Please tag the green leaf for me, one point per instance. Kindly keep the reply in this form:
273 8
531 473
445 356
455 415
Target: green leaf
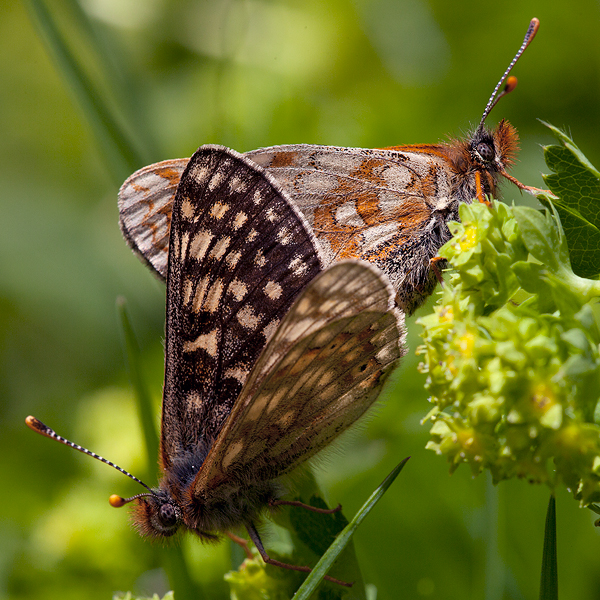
576 182
542 237
312 533
322 567
549 580
546 241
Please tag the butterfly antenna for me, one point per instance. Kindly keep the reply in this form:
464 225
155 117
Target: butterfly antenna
511 82
114 500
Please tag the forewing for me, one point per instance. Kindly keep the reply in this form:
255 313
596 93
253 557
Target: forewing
240 254
145 206
355 199
323 368
358 201
386 206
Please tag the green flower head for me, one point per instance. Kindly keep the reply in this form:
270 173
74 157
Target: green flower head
511 354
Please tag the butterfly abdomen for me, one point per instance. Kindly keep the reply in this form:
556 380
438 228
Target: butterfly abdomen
228 506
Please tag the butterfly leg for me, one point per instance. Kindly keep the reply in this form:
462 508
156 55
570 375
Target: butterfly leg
276 563
323 511
241 542
479 187
526 188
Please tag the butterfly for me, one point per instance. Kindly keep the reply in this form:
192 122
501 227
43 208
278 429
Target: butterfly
386 206
268 356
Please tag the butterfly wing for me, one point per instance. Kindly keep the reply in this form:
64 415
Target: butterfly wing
239 255
145 207
386 206
322 369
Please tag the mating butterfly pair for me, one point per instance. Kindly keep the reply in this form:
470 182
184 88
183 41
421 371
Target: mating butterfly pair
274 347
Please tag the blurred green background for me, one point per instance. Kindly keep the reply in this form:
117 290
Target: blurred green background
247 74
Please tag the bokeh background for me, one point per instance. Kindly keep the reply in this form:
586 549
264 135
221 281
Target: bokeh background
245 74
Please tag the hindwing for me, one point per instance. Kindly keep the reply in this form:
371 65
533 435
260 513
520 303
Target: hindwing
322 369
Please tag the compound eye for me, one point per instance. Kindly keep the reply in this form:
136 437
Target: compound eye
485 151
168 515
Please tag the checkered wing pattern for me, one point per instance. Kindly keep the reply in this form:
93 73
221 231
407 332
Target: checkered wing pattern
239 255
386 206
323 368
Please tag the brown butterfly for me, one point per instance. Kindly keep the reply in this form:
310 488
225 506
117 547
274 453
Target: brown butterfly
389 207
238 413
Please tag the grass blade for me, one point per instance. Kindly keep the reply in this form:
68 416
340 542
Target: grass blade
316 575
117 147
144 401
549 582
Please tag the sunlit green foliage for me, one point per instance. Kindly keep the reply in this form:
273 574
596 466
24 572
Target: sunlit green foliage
248 74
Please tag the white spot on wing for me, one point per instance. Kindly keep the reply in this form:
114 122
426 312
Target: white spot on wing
216 180
270 329
232 451
185 238
258 196
257 407
233 258
298 267
273 290
259 259
188 288
239 372
187 209
238 288
194 399
219 209
239 219
200 244
199 173
220 248
346 214
176 249
206 341
213 296
237 184
317 182
248 318
379 234
201 288
284 236
397 176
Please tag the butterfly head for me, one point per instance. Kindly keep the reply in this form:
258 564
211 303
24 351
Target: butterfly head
494 150
156 515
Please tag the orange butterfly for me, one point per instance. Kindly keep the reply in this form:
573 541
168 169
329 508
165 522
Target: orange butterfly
387 206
